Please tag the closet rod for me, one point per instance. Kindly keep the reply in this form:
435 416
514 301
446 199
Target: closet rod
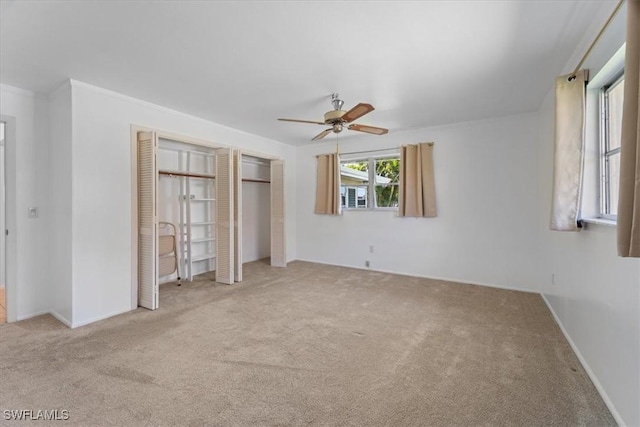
206 176
187 174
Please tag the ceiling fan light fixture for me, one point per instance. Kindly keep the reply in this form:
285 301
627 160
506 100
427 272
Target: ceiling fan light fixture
338 118
334 116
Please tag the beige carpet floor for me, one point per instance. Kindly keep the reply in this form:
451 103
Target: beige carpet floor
310 344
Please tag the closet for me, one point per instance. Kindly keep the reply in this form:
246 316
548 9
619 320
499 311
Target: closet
256 231
226 207
186 199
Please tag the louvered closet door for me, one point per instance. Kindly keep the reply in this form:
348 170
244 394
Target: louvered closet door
237 213
147 221
278 238
224 217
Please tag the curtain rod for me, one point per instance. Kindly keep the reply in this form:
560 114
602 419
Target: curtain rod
370 151
595 41
374 151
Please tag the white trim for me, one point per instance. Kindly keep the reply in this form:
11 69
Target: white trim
61 318
11 218
613 68
17 90
585 365
134 216
98 318
445 279
168 135
32 315
600 221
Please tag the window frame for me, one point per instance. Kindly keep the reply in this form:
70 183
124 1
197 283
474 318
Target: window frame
372 200
605 153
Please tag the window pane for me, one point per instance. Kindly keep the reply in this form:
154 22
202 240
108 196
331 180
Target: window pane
613 178
353 197
387 196
615 96
354 172
362 196
387 171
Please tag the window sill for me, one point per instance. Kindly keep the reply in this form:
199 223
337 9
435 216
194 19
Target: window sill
600 221
369 210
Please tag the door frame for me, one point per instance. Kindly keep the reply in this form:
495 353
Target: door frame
11 262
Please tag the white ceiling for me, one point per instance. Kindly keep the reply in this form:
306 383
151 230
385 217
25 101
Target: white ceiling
244 64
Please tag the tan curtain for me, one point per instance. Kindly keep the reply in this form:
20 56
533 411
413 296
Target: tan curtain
328 185
417 184
629 200
569 151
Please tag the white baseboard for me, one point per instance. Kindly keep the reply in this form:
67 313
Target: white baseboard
69 323
61 318
585 365
98 318
446 279
30 315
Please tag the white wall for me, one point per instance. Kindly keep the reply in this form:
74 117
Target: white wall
61 214
256 213
2 213
102 190
256 224
595 295
27 292
486 191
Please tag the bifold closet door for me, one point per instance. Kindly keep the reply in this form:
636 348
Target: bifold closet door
147 221
237 214
224 217
278 238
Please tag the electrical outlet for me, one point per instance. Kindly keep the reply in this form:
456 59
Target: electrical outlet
33 212
367 264
371 249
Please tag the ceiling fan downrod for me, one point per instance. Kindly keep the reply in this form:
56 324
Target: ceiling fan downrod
336 102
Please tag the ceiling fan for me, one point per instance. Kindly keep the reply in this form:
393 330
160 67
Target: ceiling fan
338 118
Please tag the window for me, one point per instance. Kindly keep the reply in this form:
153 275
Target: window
370 183
611 130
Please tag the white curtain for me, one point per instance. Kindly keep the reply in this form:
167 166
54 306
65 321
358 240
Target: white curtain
328 185
569 151
629 201
417 194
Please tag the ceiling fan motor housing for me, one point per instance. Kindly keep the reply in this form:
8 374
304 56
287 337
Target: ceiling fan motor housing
334 116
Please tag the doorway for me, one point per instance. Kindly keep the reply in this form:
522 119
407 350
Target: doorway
3 227
8 240
222 209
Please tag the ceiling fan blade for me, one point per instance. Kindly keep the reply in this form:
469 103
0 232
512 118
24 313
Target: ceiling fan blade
302 121
368 129
322 134
357 112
